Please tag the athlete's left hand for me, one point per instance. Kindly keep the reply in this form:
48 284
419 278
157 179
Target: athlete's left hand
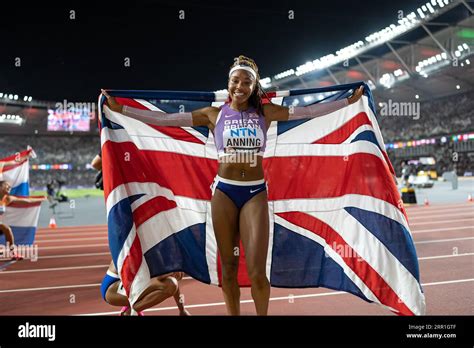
356 95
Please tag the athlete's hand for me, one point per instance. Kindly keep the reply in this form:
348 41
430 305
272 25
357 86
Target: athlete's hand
178 275
32 153
112 103
356 95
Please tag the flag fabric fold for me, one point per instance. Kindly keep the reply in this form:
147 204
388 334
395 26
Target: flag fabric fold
17 175
22 218
336 217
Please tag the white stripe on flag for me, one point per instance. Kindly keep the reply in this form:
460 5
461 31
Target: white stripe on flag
211 247
376 254
16 176
331 253
166 223
22 217
156 142
350 200
148 105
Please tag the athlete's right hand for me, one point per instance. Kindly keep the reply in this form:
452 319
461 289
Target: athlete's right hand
112 103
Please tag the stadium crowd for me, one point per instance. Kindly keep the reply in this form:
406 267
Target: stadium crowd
78 151
441 116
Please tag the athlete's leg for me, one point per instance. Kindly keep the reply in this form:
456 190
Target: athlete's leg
225 222
7 231
157 292
114 298
254 232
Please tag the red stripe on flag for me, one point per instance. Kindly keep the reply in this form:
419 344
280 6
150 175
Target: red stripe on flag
361 268
188 176
131 264
131 102
23 205
390 166
151 208
15 156
342 133
177 133
7 168
330 176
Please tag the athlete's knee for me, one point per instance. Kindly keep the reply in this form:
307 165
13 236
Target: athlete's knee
229 270
166 286
171 286
258 278
111 297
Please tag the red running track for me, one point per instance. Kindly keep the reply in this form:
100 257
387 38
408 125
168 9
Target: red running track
65 279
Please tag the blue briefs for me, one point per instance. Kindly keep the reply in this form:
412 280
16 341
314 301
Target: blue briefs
240 192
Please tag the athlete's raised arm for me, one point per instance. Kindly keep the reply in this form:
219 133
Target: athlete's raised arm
201 117
282 113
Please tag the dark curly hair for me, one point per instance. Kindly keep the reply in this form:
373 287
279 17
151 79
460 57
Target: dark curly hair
258 93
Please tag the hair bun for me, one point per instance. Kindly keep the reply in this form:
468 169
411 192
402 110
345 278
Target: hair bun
241 59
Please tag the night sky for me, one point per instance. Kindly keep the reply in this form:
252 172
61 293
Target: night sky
63 58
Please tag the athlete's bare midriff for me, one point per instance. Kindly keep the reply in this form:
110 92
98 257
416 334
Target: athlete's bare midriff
242 171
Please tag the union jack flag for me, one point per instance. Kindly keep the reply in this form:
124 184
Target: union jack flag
22 218
336 217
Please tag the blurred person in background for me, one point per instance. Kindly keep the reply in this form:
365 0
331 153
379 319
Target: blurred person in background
5 200
97 164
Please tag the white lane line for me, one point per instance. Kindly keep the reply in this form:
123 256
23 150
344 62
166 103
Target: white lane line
71 228
440 212
70 234
67 255
441 222
442 206
443 240
444 256
51 288
54 269
71 240
449 282
71 255
441 216
72 246
73 235
283 298
442 229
